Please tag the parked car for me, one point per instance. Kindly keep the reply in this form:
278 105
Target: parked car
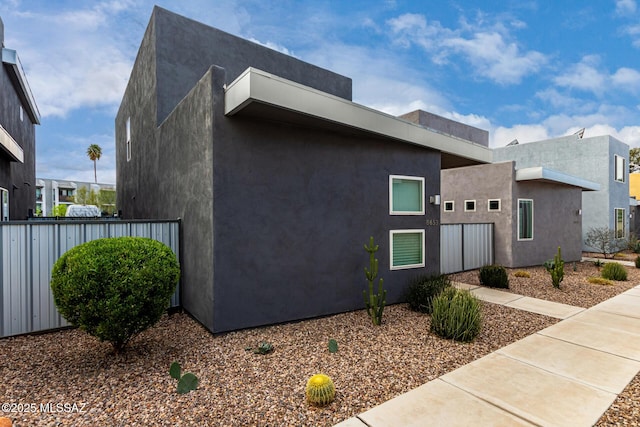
89 211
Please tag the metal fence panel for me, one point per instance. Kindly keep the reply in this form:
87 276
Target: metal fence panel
465 247
31 248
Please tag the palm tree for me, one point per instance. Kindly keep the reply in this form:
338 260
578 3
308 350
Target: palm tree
94 152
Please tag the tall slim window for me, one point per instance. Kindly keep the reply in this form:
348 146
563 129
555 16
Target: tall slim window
620 168
406 195
4 209
128 144
525 219
620 221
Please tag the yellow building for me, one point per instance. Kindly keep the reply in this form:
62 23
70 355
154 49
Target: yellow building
634 185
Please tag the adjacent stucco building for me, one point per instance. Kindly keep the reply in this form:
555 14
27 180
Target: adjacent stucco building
534 210
600 159
51 193
18 117
278 177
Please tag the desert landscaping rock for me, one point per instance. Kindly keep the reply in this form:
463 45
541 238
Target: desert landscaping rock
240 388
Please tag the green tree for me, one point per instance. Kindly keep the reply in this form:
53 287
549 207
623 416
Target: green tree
60 210
107 201
94 152
634 159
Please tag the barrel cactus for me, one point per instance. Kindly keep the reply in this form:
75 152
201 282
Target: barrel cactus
320 390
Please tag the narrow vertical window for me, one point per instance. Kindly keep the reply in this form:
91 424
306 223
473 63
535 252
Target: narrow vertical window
128 132
4 209
620 223
21 114
525 219
620 168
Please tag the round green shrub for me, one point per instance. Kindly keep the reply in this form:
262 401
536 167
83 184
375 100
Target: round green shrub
423 288
614 271
115 288
457 315
494 276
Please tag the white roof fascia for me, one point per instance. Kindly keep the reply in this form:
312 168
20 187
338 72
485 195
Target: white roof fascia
258 86
11 146
540 173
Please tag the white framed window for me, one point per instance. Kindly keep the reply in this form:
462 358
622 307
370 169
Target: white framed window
4 205
494 205
469 205
620 168
406 195
620 218
21 114
128 143
525 219
449 206
406 249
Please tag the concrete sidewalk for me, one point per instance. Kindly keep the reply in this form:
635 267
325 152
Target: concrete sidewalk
565 375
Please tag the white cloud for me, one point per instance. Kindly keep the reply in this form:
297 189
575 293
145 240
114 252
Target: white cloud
487 47
627 78
501 136
626 7
584 76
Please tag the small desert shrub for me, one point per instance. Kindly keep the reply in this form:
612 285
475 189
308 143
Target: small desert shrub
422 289
522 273
638 262
115 288
600 281
494 276
457 315
614 271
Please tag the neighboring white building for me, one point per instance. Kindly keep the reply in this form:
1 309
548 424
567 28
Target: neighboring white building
601 159
54 192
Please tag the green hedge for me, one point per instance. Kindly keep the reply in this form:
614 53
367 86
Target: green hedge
115 288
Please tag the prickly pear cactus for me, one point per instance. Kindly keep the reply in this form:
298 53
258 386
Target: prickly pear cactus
320 390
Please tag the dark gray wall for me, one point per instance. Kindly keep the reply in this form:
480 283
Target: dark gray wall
186 49
275 215
448 126
293 208
14 175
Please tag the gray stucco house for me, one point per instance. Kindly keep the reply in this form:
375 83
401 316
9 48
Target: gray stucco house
18 117
600 159
534 210
278 177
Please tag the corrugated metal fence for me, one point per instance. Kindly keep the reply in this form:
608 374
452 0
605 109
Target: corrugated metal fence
465 247
29 250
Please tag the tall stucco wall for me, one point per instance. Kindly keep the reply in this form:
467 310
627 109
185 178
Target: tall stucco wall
293 208
556 223
186 49
588 158
481 183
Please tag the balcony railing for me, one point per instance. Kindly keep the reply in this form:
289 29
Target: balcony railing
65 199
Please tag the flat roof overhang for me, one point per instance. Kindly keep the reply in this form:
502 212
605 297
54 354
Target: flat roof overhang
18 78
551 176
258 93
10 146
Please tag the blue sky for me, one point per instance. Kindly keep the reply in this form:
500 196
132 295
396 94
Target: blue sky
520 69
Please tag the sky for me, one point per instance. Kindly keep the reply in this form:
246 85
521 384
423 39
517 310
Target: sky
521 69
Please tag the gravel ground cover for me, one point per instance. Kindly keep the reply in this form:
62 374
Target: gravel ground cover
240 388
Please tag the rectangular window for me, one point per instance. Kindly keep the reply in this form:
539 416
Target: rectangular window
406 195
449 206
620 168
4 209
406 249
469 205
21 114
620 221
494 205
525 219
128 132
